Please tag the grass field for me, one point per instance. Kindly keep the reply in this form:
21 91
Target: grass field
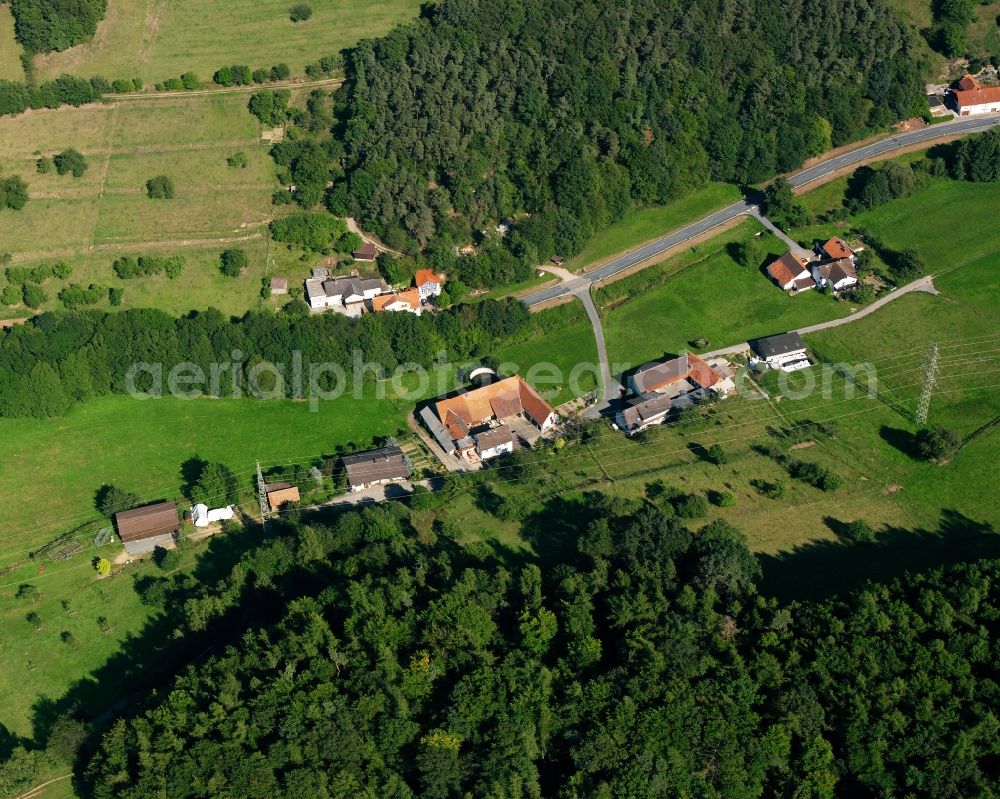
641 225
89 221
141 444
159 39
564 349
964 210
10 50
710 296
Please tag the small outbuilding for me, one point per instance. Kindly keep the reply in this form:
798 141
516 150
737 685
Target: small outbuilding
366 252
143 529
494 442
279 494
279 285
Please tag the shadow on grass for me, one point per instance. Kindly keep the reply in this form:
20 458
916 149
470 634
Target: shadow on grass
148 659
824 569
898 439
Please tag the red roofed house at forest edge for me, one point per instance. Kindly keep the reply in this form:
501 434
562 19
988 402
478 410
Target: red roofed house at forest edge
970 97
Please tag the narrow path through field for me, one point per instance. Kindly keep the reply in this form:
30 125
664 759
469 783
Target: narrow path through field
139 246
30 794
580 287
143 149
301 84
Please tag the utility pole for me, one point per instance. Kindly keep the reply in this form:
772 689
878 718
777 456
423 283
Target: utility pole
930 380
262 497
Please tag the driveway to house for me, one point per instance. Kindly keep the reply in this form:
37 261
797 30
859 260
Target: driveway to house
925 284
578 286
884 147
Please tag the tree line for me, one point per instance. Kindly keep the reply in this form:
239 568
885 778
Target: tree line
60 358
372 656
575 111
42 26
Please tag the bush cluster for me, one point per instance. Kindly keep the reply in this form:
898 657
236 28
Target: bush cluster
128 267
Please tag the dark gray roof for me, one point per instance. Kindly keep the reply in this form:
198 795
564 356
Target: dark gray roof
385 463
494 438
430 420
781 344
642 409
345 286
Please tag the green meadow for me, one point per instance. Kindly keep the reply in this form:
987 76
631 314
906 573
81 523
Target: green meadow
160 39
704 293
643 224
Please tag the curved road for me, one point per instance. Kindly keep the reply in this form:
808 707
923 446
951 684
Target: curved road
959 127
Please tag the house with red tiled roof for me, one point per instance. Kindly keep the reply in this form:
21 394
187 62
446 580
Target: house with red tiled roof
969 97
428 283
475 411
791 272
407 301
835 249
677 376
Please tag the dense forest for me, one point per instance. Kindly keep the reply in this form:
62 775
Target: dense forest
574 110
369 655
45 25
56 359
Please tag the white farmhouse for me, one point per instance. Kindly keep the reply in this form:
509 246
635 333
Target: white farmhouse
785 351
839 274
495 442
791 272
342 292
970 97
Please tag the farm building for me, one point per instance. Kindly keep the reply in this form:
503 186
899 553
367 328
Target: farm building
642 412
279 494
343 293
785 351
279 285
494 442
970 97
474 411
407 301
375 467
839 274
834 249
366 252
679 376
143 529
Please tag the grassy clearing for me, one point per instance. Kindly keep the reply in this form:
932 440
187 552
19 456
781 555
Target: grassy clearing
86 221
142 444
10 50
563 349
709 295
641 225
159 39
46 666
949 223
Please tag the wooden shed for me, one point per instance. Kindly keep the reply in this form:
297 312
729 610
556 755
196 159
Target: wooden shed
143 529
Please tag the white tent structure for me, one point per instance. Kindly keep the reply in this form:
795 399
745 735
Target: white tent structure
202 516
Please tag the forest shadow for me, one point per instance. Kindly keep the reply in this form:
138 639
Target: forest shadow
554 531
824 569
150 657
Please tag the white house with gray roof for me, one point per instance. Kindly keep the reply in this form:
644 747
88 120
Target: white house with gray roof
341 293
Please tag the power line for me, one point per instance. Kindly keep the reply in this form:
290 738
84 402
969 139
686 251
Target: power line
930 380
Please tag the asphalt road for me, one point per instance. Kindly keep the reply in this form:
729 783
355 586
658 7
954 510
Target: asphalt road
803 177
